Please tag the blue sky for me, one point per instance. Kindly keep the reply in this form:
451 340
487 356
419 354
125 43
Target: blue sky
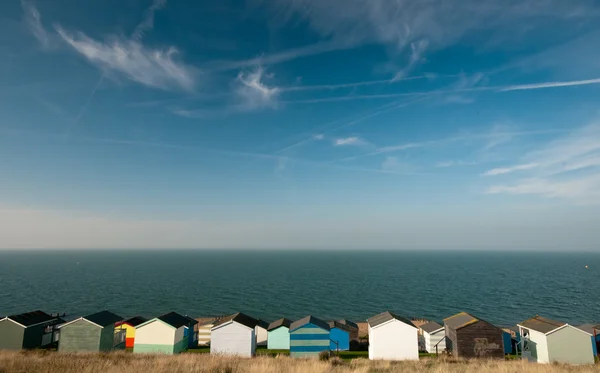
353 124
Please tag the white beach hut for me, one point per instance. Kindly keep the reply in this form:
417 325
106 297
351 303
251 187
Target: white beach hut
392 337
549 341
234 335
434 336
262 334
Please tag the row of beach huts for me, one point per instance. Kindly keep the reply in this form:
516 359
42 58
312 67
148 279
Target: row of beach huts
390 336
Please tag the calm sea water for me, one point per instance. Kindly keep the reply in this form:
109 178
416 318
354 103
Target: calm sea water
503 287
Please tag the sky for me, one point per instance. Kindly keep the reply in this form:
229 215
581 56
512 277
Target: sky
282 124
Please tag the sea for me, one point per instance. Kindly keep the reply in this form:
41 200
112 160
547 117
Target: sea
501 287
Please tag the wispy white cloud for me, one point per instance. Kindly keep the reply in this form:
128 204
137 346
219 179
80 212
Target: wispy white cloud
567 167
508 170
148 22
33 20
523 87
454 163
392 164
417 50
399 23
278 57
157 68
254 92
350 141
319 136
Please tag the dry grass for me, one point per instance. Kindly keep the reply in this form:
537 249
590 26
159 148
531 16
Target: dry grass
49 362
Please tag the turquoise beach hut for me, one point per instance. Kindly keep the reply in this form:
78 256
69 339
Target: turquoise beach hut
279 334
308 337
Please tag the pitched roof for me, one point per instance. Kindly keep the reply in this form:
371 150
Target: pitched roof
134 321
239 318
192 320
460 320
387 316
336 324
431 327
174 319
309 320
32 318
103 318
542 324
590 328
263 324
349 323
279 323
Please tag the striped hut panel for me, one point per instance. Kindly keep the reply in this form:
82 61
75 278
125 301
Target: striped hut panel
309 340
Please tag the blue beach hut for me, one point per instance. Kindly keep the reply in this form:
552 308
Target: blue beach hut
339 335
308 337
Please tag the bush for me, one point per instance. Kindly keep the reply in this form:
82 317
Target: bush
324 355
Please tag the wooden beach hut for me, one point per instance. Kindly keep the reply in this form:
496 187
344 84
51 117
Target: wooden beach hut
308 337
191 332
471 337
550 341
28 330
353 328
205 324
434 337
279 334
129 327
262 334
92 333
164 334
234 335
339 335
392 337
594 330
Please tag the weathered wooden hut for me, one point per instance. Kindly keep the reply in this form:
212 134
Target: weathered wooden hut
191 332
204 327
92 333
279 334
339 335
129 327
434 337
392 337
164 334
308 337
353 328
262 334
594 330
234 335
471 337
27 330
549 341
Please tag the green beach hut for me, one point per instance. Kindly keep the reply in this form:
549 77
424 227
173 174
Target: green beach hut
93 333
27 330
279 335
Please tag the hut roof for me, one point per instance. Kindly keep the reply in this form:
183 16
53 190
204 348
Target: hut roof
542 324
387 316
239 318
192 320
103 318
460 320
431 327
349 323
279 323
336 324
175 320
31 318
134 321
309 320
590 328
263 324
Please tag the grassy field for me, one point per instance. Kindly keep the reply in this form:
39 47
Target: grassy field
122 362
